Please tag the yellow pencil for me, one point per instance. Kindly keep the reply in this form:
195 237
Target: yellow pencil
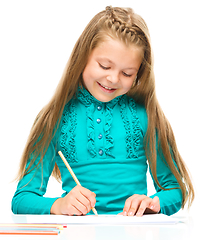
73 175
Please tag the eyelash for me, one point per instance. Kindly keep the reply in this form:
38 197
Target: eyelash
107 68
126 75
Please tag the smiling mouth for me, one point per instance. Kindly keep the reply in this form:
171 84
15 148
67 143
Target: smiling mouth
107 88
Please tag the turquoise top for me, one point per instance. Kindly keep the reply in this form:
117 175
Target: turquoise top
103 143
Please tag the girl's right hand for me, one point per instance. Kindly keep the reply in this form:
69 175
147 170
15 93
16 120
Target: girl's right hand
78 201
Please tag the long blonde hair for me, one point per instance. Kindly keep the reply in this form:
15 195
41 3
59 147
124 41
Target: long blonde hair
125 25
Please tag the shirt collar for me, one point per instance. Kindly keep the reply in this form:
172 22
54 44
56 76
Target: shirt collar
87 99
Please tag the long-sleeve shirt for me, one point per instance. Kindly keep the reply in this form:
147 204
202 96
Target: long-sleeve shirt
103 143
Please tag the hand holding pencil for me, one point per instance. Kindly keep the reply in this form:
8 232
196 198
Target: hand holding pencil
79 201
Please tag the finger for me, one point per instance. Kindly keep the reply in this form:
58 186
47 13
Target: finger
135 204
72 210
91 196
127 205
76 212
145 203
72 206
155 204
82 203
81 207
120 213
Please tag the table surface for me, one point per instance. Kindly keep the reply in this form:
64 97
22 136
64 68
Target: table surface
188 228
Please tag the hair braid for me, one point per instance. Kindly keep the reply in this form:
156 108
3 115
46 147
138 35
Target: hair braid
123 26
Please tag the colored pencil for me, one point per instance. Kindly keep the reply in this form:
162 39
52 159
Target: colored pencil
34 225
28 232
28 229
73 175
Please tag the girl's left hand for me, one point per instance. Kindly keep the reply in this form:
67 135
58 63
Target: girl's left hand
140 204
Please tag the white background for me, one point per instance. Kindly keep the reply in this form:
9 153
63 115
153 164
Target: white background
36 39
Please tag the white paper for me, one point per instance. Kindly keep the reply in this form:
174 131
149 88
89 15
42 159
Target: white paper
102 219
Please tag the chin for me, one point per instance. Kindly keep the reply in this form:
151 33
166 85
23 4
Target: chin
104 98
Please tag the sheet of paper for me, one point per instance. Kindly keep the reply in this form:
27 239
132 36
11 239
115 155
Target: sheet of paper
102 219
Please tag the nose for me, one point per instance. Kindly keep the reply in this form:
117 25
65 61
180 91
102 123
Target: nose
113 77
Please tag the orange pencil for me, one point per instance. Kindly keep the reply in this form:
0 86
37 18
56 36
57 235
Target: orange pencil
30 232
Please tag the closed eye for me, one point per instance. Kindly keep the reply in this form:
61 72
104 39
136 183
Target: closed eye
103 67
107 68
127 75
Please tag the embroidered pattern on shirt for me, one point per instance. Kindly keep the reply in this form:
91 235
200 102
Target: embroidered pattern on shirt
132 134
89 101
69 124
67 137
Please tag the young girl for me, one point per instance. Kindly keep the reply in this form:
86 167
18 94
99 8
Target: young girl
106 120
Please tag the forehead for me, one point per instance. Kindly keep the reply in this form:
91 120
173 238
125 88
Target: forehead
118 52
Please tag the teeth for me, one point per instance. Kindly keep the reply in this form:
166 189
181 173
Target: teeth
106 87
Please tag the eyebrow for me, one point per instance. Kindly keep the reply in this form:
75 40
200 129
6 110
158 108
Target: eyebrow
107 59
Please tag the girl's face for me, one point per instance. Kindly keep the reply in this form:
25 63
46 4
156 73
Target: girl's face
111 69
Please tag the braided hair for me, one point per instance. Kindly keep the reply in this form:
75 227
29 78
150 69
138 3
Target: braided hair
120 22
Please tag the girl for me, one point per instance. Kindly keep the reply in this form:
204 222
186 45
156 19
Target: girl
106 120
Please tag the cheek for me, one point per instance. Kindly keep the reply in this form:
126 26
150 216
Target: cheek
90 73
87 76
128 84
